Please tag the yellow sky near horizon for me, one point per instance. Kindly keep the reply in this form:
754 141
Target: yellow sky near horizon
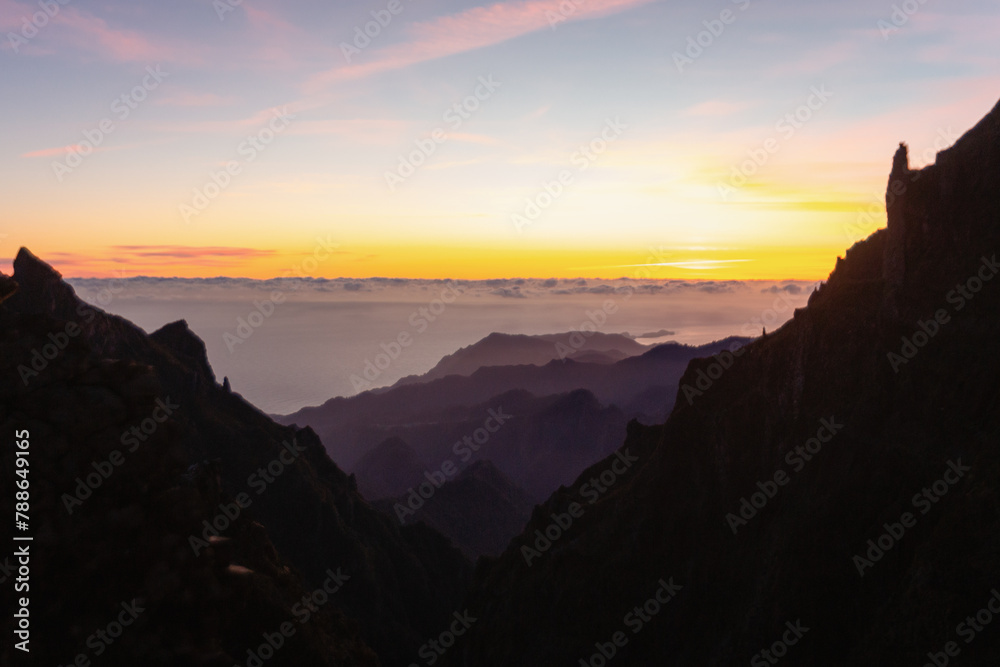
475 142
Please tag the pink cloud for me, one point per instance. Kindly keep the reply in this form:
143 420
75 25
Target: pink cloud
80 30
190 252
469 30
52 152
63 150
268 22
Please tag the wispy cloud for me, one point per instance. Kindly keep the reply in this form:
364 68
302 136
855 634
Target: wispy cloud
190 252
466 31
694 264
58 151
80 31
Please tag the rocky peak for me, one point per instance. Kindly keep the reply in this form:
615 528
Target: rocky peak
941 211
41 288
186 345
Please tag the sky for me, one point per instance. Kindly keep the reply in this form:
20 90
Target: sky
732 139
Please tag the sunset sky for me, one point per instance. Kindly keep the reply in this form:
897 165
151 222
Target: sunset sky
175 94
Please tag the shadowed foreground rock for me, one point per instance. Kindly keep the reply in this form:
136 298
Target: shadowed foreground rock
134 446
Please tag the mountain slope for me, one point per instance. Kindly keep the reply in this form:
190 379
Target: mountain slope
81 381
868 428
480 510
539 442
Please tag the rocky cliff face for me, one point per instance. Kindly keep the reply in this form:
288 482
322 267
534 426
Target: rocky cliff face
833 496
151 483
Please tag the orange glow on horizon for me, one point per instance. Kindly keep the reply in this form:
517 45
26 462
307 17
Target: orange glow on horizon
461 262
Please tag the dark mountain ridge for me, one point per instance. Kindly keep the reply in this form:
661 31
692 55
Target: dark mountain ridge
80 380
841 478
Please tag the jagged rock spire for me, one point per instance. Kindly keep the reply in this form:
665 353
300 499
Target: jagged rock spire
901 160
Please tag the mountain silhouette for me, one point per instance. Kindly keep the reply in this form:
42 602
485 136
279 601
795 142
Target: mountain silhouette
134 446
832 496
641 387
827 492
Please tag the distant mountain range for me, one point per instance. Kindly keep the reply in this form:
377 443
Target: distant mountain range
564 414
500 349
830 495
424 411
